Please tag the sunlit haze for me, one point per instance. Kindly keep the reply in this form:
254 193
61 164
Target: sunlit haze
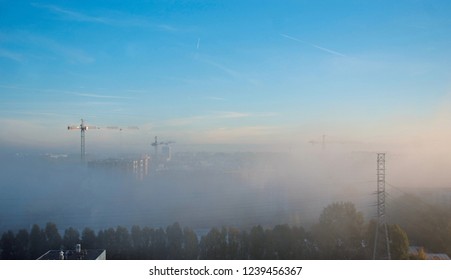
277 108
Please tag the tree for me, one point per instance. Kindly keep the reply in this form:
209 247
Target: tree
54 240
448 239
22 243
426 224
7 246
137 241
284 242
213 245
339 232
159 242
108 240
71 238
234 243
175 239
101 239
399 243
122 243
88 239
257 243
38 244
147 250
243 251
190 244
270 250
300 250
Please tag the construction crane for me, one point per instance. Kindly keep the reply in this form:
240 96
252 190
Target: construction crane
82 127
156 144
323 142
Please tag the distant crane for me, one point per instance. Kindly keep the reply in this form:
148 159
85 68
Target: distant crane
323 142
156 144
82 127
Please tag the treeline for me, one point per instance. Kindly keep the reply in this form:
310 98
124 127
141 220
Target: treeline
427 224
341 233
174 242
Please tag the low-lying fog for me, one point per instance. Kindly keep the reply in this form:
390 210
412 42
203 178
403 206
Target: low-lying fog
200 190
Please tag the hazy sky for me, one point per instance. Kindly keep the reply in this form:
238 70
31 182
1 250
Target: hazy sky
223 72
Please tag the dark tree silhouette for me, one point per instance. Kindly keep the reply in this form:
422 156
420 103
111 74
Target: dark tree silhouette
7 243
88 239
71 238
38 244
54 240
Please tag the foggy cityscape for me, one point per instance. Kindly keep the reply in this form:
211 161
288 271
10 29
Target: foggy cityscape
243 117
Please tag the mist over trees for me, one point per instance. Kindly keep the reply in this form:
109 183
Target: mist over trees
426 224
201 190
239 206
341 233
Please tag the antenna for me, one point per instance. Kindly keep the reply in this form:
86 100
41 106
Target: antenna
381 217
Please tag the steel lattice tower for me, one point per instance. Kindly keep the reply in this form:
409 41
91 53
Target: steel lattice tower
82 127
381 215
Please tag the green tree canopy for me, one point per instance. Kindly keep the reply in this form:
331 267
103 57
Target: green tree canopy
71 238
54 240
399 243
339 232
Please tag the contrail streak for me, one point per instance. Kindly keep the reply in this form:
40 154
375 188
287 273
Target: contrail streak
313 45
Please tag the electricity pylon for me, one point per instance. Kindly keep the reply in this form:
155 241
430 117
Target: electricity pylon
381 215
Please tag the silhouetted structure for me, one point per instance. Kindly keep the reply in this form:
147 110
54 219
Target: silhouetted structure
77 254
381 219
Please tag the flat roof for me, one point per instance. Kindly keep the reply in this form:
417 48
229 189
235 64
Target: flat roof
92 254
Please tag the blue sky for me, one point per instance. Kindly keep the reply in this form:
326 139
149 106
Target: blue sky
223 72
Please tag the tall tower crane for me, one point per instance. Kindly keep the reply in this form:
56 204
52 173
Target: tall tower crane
322 142
82 127
156 144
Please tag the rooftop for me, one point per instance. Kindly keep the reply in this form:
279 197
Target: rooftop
96 254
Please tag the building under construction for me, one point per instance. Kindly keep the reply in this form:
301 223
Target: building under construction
139 167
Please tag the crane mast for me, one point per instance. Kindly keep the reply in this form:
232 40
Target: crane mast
155 144
82 127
